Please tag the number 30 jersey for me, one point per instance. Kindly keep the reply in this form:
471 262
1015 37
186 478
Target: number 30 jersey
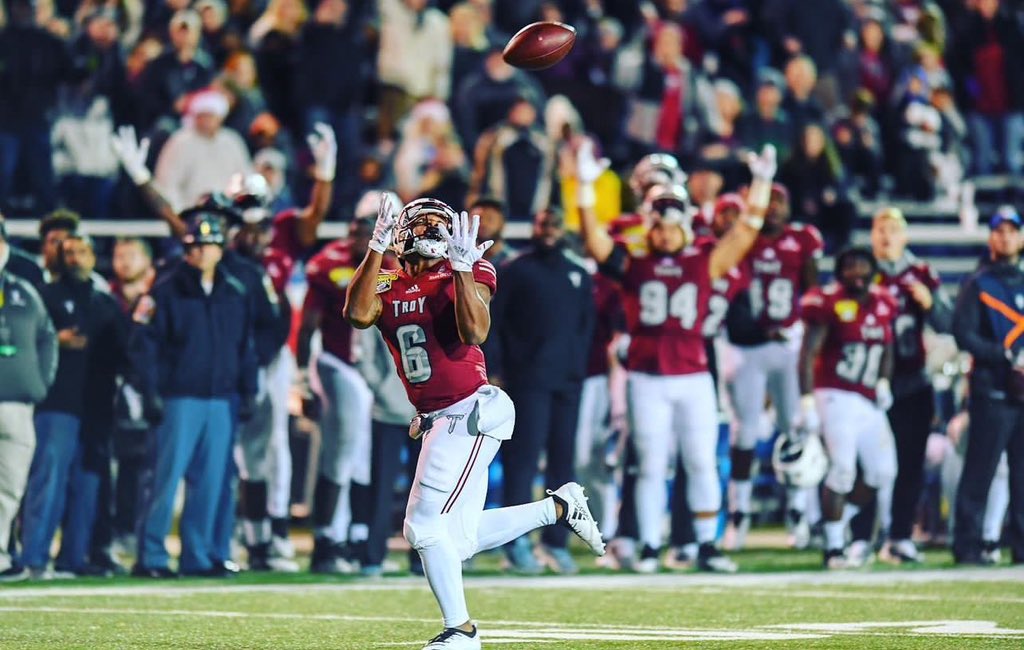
851 357
666 299
418 324
776 265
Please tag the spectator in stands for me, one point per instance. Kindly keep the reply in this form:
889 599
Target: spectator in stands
469 38
818 30
858 142
984 324
484 99
28 364
767 123
414 61
948 162
815 179
428 126
920 135
89 330
216 40
604 103
191 365
800 104
726 28
272 165
514 161
201 156
35 64
238 82
53 229
876 71
333 94
274 38
543 320
492 228
168 80
991 49
720 144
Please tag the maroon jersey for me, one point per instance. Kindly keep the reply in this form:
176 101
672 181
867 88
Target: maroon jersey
908 327
284 249
609 322
724 289
328 275
665 298
776 265
418 324
851 357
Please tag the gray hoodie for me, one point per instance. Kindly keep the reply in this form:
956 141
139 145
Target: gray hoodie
28 342
390 401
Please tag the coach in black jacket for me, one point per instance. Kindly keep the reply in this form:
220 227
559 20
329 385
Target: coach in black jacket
194 349
542 321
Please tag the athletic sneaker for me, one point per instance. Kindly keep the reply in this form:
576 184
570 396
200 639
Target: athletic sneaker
282 547
711 560
860 553
681 558
835 560
14 574
521 558
736 533
624 551
329 558
799 531
49 573
576 515
455 639
991 553
900 551
649 562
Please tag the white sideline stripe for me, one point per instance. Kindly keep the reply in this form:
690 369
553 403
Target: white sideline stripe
639 582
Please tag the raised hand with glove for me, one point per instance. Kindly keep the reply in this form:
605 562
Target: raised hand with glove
131 153
588 170
384 228
463 251
324 147
762 170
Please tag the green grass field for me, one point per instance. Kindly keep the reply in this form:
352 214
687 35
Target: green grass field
780 600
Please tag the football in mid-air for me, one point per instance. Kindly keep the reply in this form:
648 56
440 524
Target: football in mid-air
539 45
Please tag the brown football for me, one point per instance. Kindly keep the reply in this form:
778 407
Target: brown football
539 45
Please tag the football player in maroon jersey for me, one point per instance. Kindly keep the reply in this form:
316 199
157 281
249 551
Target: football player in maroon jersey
845 364
434 314
666 293
920 300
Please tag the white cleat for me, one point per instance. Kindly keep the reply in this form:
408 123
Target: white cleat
282 547
799 537
455 639
736 532
835 560
901 551
711 560
859 554
576 515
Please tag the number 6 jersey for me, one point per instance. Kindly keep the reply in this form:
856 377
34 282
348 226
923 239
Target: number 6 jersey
418 324
851 356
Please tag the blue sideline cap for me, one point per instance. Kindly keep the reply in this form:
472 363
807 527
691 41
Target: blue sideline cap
1005 214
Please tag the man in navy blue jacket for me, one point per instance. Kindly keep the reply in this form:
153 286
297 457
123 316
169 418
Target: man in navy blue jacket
194 349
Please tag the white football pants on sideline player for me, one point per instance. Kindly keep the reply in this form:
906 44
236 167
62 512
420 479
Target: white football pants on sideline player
345 431
674 415
856 431
591 437
280 375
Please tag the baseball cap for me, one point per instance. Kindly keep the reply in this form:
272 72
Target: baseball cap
771 77
1005 214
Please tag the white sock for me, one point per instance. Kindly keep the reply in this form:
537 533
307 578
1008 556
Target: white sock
499 526
255 532
443 568
884 498
342 519
835 535
849 512
651 504
705 529
358 533
796 499
741 495
995 508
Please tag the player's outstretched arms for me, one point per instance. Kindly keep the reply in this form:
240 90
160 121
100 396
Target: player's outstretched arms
362 304
132 153
596 239
736 243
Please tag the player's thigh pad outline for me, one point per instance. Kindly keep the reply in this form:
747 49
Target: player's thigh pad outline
748 389
841 415
695 423
345 427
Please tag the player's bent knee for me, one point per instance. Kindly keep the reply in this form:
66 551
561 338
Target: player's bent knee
422 533
840 478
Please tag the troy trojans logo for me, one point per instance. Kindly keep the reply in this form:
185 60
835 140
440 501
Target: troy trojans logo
453 419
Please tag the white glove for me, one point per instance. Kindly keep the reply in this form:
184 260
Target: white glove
808 420
588 170
325 152
131 154
462 247
384 228
763 167
883 394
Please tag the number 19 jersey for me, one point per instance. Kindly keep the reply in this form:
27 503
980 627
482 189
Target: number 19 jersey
851 356
418 324
776 265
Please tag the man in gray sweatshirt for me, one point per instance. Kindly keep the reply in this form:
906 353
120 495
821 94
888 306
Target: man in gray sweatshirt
28 364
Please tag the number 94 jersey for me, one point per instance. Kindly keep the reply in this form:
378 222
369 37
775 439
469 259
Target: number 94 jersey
851 356
418 324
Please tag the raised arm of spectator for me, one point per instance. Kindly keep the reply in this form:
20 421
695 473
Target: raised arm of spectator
734 246
596 240
131 153
324 147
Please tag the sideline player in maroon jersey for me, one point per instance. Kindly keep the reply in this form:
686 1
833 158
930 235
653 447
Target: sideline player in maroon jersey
666 294
434 313
783 266
920 300
845 364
